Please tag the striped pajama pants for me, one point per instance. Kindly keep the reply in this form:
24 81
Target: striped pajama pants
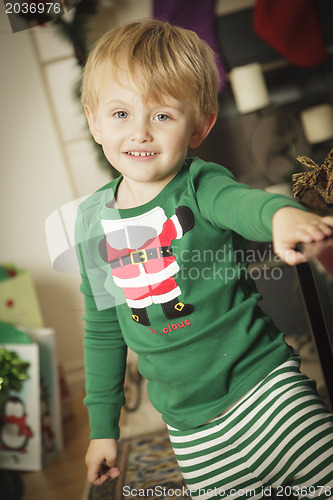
277 438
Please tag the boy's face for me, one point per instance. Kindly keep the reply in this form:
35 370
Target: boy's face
145 141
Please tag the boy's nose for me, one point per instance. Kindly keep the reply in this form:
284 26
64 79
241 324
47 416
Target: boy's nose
141 132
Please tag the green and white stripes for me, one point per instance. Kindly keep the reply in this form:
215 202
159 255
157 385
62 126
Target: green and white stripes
278 434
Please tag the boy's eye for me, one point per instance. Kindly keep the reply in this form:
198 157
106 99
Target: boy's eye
121 114
162 117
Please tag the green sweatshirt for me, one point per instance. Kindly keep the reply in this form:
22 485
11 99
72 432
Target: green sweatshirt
168 280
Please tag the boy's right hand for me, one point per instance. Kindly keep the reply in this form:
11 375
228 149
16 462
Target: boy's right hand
101 461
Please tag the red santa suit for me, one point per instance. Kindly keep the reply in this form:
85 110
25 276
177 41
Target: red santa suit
141 259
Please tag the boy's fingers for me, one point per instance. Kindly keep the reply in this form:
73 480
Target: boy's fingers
103 474
322 230
114 473
315 232
94 477
328 219
290 256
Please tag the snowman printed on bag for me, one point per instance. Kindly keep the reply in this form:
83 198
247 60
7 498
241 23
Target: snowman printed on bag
14 431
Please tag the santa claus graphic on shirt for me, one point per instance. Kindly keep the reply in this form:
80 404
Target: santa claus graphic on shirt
140 255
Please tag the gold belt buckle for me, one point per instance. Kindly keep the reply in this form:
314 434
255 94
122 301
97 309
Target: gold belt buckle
142 255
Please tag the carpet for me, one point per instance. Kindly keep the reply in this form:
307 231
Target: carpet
149 469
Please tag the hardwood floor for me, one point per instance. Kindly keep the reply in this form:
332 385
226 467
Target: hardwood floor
64 477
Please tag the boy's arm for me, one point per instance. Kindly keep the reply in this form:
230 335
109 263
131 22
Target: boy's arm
105 355
105 350
291 226
229 204
105 361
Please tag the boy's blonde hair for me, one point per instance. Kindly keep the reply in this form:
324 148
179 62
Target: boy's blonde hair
169 60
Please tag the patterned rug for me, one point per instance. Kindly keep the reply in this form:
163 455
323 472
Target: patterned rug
148 470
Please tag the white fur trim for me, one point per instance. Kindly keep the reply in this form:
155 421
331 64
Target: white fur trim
140 303
156 299
155 218
166 297
178 227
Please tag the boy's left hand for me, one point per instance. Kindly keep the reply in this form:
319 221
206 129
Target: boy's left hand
291 226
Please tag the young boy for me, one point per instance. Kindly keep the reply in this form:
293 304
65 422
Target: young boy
160 251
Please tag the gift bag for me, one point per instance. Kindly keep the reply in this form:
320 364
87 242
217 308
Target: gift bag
19 303
30 420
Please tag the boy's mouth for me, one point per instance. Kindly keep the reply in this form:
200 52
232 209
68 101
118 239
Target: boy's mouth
140 153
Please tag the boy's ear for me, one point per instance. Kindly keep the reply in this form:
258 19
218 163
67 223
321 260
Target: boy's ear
93 125
201 130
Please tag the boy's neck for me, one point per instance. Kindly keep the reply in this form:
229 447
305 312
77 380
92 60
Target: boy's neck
134 194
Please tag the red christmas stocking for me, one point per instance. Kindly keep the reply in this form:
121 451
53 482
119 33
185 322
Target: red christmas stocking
292 28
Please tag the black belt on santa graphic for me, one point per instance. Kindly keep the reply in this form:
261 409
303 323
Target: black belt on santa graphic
141 256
